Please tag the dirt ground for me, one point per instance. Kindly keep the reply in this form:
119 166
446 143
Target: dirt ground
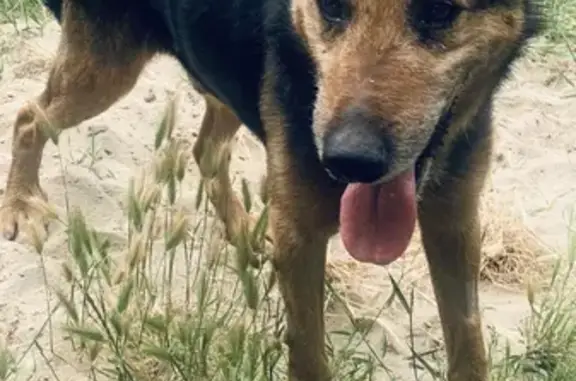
533 178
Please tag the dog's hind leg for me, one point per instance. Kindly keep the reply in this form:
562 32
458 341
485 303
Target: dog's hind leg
212 152
451 234
93 68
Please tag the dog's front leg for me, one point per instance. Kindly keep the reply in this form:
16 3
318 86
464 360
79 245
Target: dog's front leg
451 235
303 216
299 262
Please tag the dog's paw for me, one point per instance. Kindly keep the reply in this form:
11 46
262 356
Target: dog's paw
30 216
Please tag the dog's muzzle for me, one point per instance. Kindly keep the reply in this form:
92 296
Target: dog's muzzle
356 148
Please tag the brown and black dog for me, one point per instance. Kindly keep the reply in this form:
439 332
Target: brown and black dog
374 114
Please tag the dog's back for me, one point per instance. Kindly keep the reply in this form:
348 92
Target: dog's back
143 18
219 42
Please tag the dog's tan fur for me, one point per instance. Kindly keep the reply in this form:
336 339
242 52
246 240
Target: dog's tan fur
382 70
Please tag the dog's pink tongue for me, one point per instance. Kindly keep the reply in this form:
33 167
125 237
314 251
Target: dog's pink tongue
377 221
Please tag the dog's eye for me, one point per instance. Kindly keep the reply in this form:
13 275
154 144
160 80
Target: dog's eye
440 14
334 11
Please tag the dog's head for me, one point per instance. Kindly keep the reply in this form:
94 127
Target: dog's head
391 73
396 81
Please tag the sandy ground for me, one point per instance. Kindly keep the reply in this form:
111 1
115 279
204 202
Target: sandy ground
533 175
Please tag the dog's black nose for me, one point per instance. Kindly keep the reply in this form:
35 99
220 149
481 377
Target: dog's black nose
356 148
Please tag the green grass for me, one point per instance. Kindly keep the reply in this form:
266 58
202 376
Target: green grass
27 11
179 304
560 34
549 333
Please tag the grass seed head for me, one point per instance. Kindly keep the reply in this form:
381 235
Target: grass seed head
68 273
135 211
125 295
181 164
160 353
68 306
115 321
178 231
89 334
150 196
167 123
78 240
136 250
157 323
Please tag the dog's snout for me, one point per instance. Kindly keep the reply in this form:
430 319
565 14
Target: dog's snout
356 149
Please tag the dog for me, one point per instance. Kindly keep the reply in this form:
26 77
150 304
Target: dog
375 116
